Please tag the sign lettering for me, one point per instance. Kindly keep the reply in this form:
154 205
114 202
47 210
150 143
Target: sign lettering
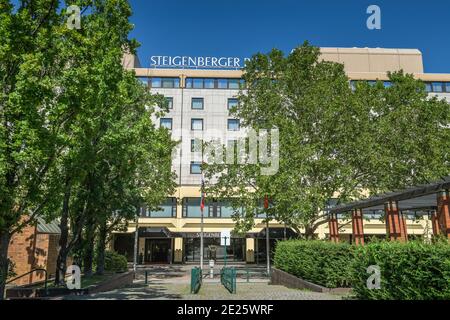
197 62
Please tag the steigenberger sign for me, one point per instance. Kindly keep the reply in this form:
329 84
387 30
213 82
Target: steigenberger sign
196 62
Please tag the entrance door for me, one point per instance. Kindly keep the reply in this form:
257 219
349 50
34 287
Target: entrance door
157 250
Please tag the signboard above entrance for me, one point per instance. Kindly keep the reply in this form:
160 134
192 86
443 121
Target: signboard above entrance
197 62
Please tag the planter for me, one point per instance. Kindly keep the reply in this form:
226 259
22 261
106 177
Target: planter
279 277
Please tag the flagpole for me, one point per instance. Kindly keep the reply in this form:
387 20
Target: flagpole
201 241
202 205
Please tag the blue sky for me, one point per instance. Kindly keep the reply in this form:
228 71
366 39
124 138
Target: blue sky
240 28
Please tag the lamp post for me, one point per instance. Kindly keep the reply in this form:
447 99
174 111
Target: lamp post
136 237
266 206
201 240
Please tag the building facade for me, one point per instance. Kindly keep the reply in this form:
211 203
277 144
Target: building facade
199 102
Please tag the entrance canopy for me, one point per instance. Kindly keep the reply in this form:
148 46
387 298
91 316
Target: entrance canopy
417 198
155 233
275 233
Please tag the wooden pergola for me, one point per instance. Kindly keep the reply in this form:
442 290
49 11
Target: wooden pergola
433 197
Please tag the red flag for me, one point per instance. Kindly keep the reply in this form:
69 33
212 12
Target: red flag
266 202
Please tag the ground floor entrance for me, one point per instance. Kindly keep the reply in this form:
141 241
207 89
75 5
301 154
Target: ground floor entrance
161 246
212 250
158 251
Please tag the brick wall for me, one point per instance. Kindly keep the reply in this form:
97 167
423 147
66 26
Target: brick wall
20 252
29 250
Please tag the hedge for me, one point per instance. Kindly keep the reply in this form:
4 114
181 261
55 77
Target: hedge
409 271
320 262
115 262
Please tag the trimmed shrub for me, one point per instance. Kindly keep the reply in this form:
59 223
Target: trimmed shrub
409 271
321 262
115 262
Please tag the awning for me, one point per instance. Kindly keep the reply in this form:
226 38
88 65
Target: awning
155 233
48 228
422 197
275 233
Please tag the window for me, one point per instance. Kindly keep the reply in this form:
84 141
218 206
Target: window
198 83
447 86
197 104
143 80
233 125
428 87
191 208
196 168
189 82
169 102
232 103
437 86
353 85
166 123
233 83
168 209
170 82
196 145
155 82
213 208
197 124
387 84
222 84
209 84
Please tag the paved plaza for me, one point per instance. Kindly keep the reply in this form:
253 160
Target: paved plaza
173 282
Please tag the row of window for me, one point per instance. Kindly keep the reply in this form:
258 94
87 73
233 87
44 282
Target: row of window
155 82
438 87
197 124
213 83
191 209
193 83
199 103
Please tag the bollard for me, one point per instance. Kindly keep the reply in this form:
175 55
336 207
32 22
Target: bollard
146 277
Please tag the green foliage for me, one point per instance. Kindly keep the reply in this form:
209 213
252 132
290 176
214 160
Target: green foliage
411 271
320 262
115 262
332 140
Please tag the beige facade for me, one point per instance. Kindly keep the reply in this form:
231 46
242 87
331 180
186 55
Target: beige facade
360 64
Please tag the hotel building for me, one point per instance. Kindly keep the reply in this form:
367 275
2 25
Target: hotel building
199 101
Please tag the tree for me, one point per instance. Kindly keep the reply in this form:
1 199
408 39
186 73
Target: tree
32 115
116 158
334 142
76 130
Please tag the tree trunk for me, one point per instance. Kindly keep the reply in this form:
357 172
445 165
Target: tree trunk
88 252
101 246
4 262
309 233
61 261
